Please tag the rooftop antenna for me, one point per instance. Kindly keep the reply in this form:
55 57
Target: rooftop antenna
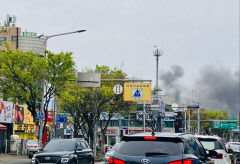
14 21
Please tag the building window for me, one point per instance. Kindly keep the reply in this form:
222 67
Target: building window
2 39
14 38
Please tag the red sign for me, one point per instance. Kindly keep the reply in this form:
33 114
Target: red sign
112 131
50 116
135 131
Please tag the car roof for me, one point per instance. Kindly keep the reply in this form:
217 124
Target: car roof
73 139
233 143
162 134
209 137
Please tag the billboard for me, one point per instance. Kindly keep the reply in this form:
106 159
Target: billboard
224 124
6 109
137 92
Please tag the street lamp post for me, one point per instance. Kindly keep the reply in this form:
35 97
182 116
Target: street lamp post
43 83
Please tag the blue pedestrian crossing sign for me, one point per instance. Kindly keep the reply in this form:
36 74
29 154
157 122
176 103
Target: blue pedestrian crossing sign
137 93
40 114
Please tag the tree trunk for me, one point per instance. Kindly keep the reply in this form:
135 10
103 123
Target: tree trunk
103 135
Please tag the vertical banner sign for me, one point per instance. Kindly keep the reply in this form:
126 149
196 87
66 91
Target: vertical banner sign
137 92
6 112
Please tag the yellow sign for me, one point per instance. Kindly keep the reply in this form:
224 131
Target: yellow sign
30 136
25 127
28 118
137 92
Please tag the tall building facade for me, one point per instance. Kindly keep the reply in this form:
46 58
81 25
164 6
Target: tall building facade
10 35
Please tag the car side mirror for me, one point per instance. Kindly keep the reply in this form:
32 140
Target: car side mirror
212 153
30 156
230 151
40 149
79 148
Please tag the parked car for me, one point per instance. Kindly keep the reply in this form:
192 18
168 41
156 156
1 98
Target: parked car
67 151
215 143
235 146
110 152
32 147
160 148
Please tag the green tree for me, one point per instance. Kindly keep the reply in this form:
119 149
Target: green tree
21 74
85 105
205 126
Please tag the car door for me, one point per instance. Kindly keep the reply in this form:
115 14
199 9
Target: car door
226 157
197 150
80 153
87 152
202 153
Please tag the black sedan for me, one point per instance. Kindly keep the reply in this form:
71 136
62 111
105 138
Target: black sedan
65 151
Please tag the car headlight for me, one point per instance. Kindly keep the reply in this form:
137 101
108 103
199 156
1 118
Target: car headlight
64 159
33 160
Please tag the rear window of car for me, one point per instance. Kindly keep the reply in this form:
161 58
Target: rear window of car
142 148
210 144
32 142
235 147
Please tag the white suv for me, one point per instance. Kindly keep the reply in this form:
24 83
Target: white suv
215 143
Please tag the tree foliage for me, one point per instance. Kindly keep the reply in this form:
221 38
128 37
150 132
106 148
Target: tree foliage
85 105
21 74
205 126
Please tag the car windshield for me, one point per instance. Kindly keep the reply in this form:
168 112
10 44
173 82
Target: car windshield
149 148
60 145
211 144
235 147
32 142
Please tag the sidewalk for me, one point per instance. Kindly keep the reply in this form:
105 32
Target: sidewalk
98 162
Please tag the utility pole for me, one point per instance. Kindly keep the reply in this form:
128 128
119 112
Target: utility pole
144 118
43 84
157 53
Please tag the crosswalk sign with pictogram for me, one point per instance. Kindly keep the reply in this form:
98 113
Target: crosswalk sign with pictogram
137 92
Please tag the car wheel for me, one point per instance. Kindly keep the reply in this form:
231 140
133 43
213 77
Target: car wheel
75 162
92 161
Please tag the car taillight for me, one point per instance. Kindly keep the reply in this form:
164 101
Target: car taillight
220 156
110 160
150 138
186 161
115 161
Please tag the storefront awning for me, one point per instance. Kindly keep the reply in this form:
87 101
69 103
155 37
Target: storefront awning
2 127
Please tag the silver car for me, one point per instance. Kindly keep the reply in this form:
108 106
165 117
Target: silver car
32 147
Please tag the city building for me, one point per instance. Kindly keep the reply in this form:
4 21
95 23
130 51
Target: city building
25 41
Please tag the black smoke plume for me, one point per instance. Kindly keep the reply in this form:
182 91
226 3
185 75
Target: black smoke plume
218 88
169 80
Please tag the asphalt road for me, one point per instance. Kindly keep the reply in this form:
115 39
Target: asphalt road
13 159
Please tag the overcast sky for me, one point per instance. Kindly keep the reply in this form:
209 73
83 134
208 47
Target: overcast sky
196 36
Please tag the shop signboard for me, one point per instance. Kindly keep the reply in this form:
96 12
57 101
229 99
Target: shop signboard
6 109
29 34
50 116
25 127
